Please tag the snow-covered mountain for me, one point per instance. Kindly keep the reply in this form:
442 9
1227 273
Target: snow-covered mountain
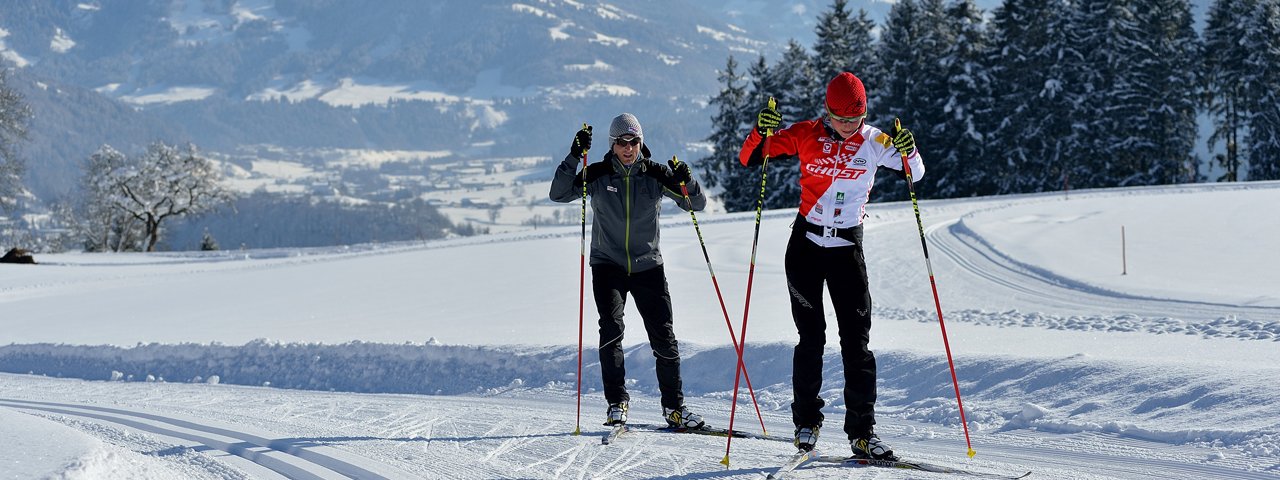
398 74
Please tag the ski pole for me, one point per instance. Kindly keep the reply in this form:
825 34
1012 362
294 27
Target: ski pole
734 338
582 286
906 168
755 241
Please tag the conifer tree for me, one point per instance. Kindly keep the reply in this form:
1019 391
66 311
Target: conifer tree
721 171
957 164
1107 107
1030 65
1227 97
864 54
798 85
1263 86
783 189
914 41
832 48
1170 84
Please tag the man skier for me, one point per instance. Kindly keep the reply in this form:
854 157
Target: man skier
838 155
625 189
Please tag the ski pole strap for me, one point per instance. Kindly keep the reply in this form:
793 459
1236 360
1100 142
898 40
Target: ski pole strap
852 234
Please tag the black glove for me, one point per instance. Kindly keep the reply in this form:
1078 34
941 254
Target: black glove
902 139
581 142
680 171
599 169
662 174
768 119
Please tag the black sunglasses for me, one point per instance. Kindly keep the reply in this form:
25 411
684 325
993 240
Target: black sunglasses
625 142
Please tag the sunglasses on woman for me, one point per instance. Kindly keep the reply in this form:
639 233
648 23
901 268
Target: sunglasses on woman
838 118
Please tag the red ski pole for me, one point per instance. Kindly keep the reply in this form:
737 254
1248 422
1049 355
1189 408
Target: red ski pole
746 308
685 190
906 168
582 286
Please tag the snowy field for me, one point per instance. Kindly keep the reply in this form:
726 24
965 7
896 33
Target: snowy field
1077 359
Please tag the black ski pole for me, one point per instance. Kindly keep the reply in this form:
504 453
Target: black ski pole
906 168
733 337
582 283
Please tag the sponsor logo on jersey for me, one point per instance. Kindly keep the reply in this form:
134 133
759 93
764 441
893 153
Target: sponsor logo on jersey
826 147
839 199
611 188
835 171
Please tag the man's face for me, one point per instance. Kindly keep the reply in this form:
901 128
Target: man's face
626 148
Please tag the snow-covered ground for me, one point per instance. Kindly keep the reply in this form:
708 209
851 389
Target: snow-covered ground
457 359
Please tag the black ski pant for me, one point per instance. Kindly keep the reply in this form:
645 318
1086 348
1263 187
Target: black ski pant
844 270
610 285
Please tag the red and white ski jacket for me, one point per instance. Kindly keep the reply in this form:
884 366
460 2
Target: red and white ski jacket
835 176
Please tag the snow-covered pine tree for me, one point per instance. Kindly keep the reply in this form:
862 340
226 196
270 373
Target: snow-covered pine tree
865 57
783 189
833 52
957 163
915 39
721 172
1108 107
208 243
1262 41
1030 62
798 85
1227 98
1167 71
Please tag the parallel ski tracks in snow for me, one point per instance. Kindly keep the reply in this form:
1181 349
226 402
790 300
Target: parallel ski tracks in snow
975 257
540 445
289 457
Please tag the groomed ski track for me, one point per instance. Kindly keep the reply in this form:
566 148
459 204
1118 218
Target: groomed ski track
263 433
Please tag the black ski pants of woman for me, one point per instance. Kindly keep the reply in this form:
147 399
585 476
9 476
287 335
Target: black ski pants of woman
844 270
610 285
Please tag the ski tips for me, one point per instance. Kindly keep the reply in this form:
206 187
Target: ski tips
773 103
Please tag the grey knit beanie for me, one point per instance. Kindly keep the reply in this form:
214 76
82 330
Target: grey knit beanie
625 124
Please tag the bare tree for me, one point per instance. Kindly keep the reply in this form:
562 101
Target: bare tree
163 183
100 223
13 129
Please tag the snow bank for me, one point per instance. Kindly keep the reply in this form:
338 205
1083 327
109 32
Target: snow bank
1161 402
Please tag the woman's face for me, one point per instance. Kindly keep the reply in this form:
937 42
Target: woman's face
846 127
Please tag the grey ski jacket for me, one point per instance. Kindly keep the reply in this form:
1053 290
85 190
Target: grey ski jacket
624 229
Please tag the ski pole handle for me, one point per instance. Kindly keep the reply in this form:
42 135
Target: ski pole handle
773 105
906 166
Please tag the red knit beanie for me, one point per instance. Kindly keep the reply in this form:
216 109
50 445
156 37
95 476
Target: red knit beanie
846 97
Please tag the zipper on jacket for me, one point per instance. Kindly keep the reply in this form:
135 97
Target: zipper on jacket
626 180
